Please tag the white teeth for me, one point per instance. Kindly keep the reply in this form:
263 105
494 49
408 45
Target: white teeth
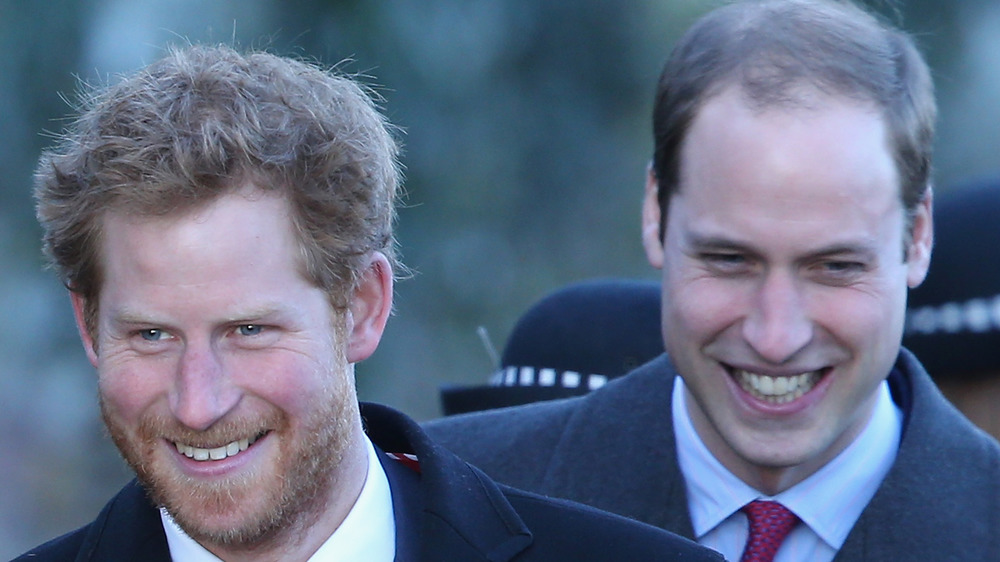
765 385
781 385
777 390
216 454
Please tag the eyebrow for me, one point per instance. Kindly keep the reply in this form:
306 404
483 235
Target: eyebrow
127 316
702 242
860 249
696 242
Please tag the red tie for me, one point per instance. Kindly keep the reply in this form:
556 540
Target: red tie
770 523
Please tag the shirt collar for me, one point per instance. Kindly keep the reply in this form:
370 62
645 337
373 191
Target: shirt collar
829 501
368 533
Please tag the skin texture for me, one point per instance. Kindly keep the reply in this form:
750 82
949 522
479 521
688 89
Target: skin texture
207 333
783 255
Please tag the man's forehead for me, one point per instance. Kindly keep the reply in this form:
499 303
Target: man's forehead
793 97
729 130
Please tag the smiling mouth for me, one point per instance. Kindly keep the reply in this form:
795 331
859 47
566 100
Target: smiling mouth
217 453
777 390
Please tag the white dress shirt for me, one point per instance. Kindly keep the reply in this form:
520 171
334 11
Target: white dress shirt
367 534
828 502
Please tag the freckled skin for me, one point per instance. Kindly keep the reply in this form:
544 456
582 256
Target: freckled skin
783 255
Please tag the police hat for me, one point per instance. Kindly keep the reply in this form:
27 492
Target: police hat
953 318
568 343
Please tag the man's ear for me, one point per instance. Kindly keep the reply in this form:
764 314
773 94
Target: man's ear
918 254
369 309
651 221
79 308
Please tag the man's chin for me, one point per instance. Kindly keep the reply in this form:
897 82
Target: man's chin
222 513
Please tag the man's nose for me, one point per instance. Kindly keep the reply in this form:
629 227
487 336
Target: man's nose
203 392
778 324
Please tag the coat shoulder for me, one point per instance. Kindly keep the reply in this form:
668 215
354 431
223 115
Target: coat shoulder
510 444
128 528
565 530
65 547
520 444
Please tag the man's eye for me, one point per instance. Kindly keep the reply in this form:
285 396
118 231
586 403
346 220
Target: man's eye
250 329
842 269
152 334
725 258
840 272
725 261
843 266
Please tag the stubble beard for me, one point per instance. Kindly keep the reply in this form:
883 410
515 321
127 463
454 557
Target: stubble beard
263 508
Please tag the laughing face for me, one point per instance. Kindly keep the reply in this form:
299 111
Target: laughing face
785 268
224 374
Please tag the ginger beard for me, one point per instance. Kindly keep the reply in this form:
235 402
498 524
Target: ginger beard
277 497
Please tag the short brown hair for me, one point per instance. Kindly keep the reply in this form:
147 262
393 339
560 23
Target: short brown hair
768 48
205 120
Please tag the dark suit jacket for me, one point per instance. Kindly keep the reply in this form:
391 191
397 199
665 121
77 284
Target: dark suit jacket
448 511
614 449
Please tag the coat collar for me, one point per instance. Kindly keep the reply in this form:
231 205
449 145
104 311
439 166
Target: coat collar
624 429
459 503
942 492
128 528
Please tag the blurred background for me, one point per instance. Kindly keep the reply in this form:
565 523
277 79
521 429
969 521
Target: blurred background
527 134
